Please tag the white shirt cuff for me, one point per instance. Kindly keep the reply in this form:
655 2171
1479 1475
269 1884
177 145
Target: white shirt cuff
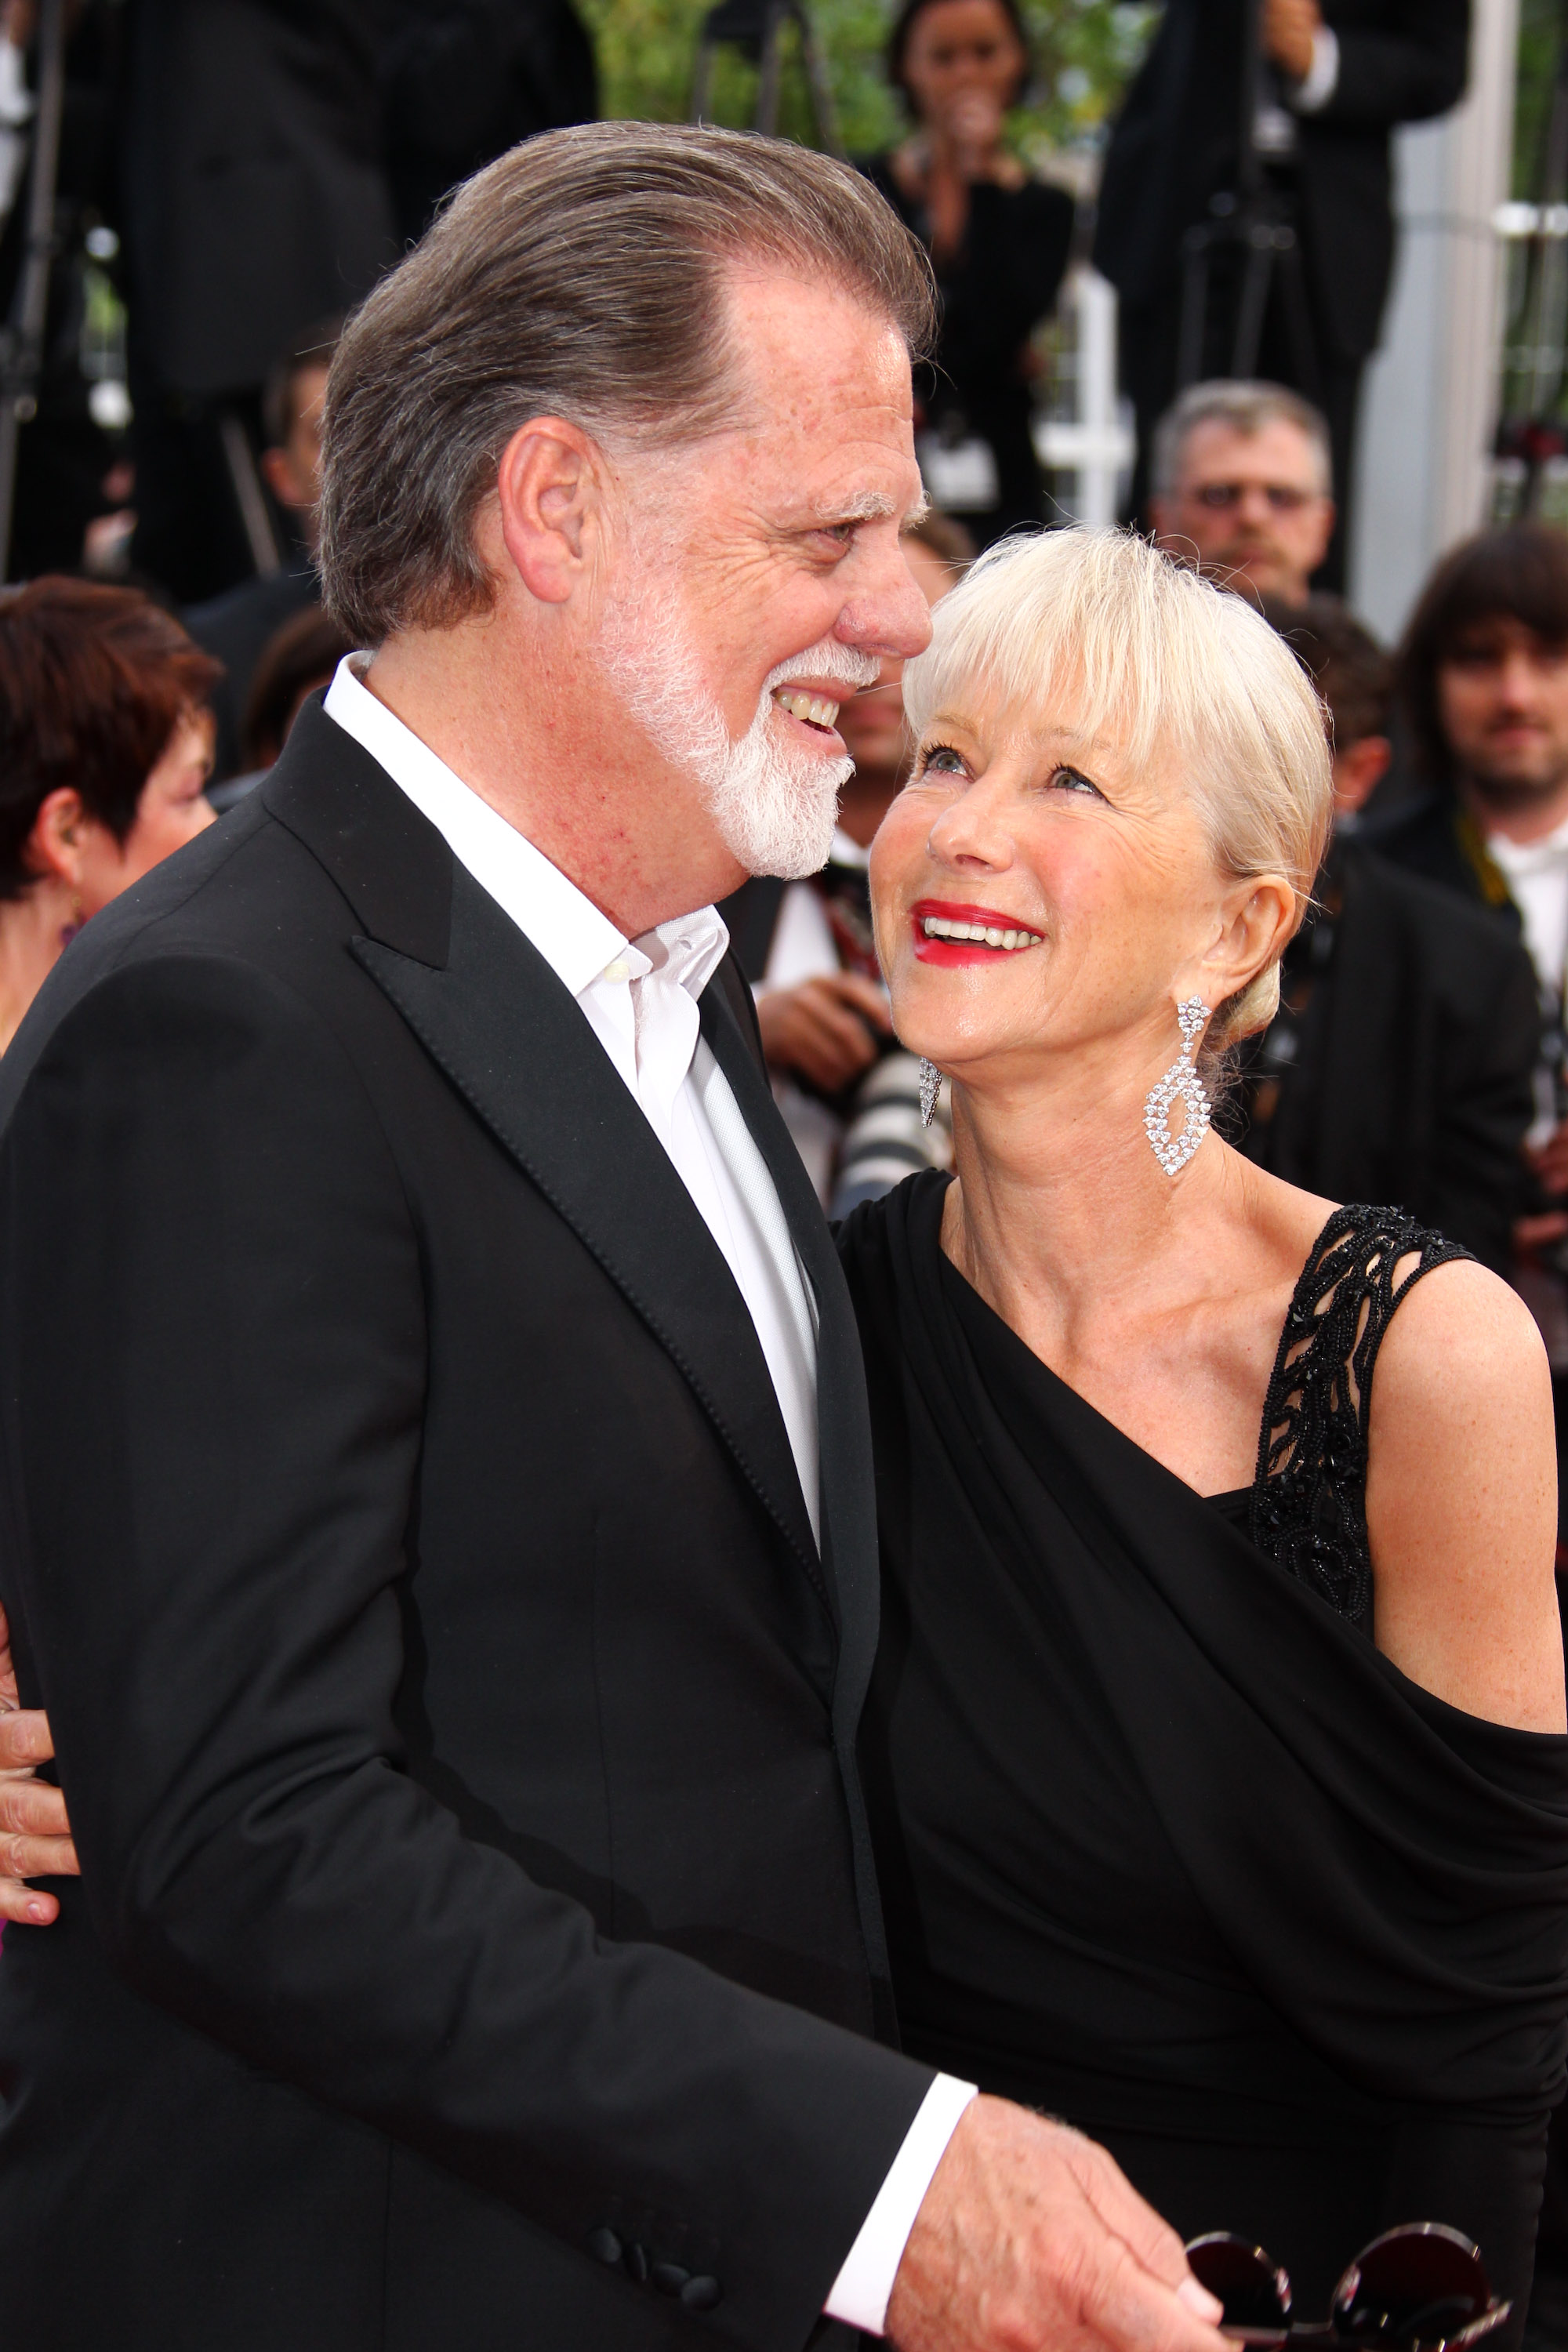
860 2292
1322 75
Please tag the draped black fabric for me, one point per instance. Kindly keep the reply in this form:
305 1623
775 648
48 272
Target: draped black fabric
1169 1847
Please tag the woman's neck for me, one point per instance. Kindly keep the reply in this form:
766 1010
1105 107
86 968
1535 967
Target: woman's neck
1063 1216
33 931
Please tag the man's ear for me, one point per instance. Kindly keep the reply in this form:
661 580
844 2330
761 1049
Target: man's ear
550 500
1359 769
53 845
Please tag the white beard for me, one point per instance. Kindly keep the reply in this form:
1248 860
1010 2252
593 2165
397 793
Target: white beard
774 800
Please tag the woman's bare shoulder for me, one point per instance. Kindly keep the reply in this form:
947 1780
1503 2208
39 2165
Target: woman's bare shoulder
1462 1499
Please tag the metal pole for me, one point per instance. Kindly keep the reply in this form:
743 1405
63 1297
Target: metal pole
22 339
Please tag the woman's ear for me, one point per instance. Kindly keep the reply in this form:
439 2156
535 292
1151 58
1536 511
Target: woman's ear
1257 926
55 845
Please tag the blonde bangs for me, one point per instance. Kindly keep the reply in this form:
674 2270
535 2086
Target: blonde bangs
1115 640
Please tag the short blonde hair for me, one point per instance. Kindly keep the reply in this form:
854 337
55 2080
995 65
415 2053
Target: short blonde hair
1138 645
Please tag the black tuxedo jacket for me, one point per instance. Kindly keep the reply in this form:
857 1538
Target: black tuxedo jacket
1175 146
1413 1084
476 1945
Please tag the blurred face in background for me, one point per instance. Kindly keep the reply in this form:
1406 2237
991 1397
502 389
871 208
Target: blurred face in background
1251 503
963 67
293 473
872 722
171 810
1502 703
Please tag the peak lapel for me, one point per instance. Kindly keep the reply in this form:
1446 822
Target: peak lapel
499 1022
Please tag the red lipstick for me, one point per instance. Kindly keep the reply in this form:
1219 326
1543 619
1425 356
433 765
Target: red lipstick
962 951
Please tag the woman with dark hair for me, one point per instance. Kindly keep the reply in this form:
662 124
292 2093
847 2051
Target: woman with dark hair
998 242
105 745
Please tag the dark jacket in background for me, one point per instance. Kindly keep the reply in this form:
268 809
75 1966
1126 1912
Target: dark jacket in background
478 1944
1175 144
254 194
466 79
994 292
1406 1079
1174 147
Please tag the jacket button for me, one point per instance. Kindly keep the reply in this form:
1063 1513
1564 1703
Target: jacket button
700 2293
604 2246
636 2261
668 2277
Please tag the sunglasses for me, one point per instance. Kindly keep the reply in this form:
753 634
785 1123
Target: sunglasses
1282 498
1415 2289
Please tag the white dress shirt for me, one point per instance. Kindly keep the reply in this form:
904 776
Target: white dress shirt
640 997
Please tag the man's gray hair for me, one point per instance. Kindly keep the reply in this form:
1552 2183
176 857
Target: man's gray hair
582 275
1245 408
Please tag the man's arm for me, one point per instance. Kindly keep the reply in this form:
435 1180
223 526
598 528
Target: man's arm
1408 70
210 1278
208 1263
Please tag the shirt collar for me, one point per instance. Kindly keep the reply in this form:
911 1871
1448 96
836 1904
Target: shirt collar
576 940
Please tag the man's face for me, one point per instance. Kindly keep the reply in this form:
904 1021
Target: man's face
1502 703
1251 503
761 578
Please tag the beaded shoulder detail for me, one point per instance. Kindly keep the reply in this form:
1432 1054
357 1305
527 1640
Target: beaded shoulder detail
1308 1507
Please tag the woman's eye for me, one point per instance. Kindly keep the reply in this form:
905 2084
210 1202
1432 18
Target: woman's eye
1068 780
941 760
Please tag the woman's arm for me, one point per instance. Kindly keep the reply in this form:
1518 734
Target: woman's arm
1461 1501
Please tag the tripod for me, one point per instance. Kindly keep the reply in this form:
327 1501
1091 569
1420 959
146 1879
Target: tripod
756 28
1255 224
22 336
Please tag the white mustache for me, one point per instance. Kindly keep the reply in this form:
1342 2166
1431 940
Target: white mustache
827 659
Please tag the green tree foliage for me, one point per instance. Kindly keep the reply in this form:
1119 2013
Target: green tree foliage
1084 49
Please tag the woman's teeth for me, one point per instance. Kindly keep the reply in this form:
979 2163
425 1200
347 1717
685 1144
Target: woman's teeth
813 707
983 935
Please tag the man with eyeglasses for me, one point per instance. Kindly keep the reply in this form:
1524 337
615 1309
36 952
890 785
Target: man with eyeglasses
1243 480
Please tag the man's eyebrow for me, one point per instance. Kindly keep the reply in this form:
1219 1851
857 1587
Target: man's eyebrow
862 506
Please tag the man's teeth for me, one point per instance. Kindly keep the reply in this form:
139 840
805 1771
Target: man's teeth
983 934
812 706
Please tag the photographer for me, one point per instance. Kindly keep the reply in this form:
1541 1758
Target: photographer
998 242
1334 81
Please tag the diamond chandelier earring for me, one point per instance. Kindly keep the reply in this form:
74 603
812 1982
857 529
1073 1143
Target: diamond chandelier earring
931 1086
1180 1084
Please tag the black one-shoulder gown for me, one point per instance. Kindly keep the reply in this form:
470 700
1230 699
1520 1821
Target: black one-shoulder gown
1168 1847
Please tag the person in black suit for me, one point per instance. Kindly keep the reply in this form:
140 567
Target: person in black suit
236 627
456 1654
1338 76
1398 1068
254 197
465 80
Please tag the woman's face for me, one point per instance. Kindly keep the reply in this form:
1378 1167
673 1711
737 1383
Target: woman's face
959 50
171 810
1088 873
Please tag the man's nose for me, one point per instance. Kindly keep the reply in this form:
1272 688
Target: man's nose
890 616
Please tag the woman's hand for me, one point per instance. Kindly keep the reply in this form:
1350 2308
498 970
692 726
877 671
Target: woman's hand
35 1831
